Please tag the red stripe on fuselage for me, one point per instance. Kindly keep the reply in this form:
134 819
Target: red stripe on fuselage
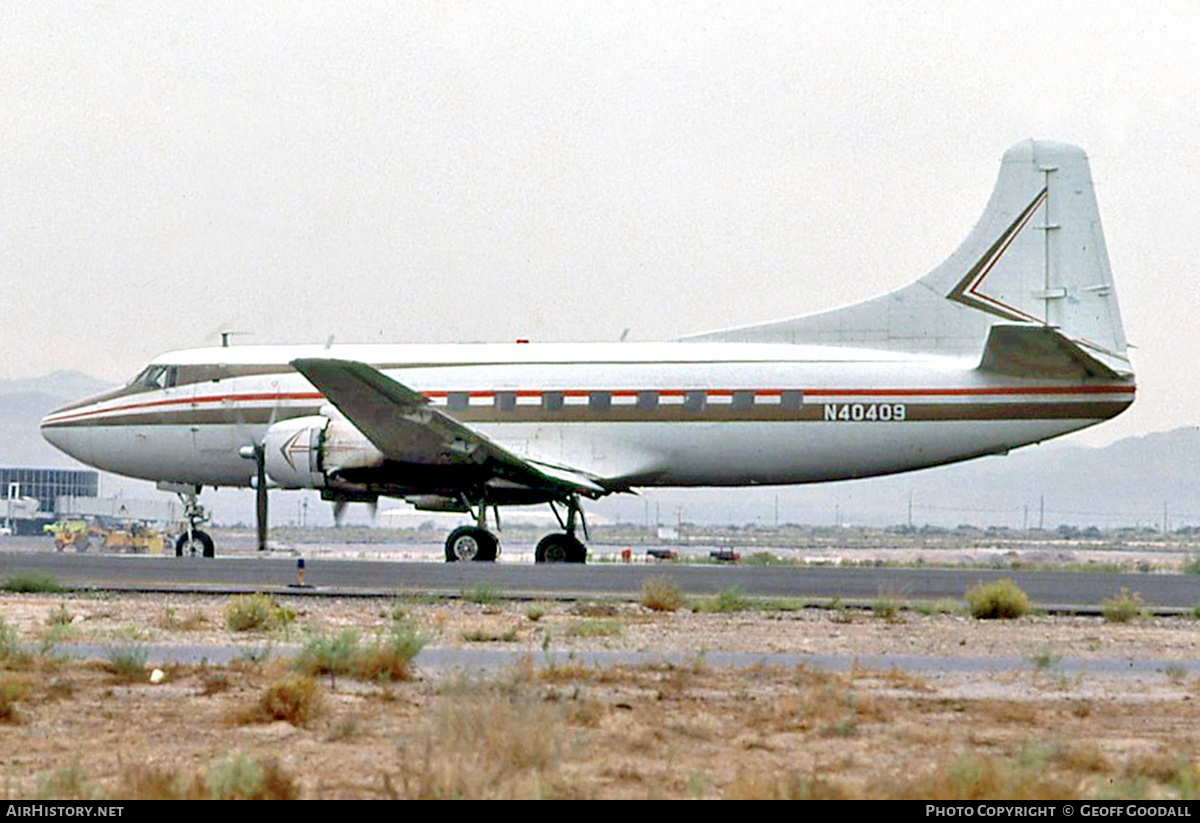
316 396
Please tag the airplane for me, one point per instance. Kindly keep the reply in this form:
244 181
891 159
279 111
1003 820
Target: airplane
1014 339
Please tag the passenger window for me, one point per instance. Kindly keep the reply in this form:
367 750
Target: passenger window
458 400
693 401
647 400
600 401
792 400
505 400
552 401
743 401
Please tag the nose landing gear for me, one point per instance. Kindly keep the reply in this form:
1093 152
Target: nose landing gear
193 541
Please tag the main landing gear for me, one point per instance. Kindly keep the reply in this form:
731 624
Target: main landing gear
474 542
478 544
564 547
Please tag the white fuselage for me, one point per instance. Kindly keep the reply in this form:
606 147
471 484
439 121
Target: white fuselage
665 414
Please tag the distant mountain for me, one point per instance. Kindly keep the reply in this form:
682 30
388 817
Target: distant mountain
1058 483
67 385
24 402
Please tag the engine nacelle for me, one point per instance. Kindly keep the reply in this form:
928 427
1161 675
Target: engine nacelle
436 503
303 453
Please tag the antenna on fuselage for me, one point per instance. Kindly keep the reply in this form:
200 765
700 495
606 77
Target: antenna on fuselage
226 334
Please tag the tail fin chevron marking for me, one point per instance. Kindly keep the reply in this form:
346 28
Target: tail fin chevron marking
967 290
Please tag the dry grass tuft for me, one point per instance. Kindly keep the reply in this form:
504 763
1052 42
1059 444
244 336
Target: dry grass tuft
972 777
388 658
1123 608
142 781
241 777
661 594
486 742
13 689
1000 600
295 699
256 612
236 777
593 628
787 786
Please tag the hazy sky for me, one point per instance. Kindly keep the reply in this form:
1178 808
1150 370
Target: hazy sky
563 171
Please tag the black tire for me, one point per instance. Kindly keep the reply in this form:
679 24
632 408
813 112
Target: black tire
198 538
560 548
471 543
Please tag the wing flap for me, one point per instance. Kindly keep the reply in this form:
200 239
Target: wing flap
400 423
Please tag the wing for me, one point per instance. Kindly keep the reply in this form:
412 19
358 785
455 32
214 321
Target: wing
406 428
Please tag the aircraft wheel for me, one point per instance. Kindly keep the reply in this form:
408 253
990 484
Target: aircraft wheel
471 543
200 544
560 548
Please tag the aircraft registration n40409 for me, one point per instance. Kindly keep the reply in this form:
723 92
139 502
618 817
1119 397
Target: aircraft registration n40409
1016 338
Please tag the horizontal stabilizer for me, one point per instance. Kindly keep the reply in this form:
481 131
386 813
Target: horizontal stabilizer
1039 351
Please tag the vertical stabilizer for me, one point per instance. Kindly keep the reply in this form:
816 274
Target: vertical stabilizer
1035 258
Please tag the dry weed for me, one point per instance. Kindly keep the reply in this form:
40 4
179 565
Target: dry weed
296 699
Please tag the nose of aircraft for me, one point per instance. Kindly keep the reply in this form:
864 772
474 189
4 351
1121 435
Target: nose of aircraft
58 437
68 440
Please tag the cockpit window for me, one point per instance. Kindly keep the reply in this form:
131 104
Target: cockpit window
155 377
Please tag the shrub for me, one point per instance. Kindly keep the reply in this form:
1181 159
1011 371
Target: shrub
295 699
241 777
888 605
1122 608
13 689
387 658
11 652
323 654
485 594
1002 599
127 661
390 657
661 594
732 599
31 582
255 612
237 777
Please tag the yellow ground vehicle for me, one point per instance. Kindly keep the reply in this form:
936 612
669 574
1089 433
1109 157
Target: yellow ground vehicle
68 533
130 536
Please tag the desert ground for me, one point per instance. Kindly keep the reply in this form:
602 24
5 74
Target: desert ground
322 701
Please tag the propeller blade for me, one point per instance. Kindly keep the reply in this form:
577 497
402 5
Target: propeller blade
339 511
260 496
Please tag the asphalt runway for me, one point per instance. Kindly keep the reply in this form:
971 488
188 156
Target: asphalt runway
1050 590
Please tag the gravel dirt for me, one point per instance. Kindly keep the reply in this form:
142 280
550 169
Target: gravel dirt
1023 728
